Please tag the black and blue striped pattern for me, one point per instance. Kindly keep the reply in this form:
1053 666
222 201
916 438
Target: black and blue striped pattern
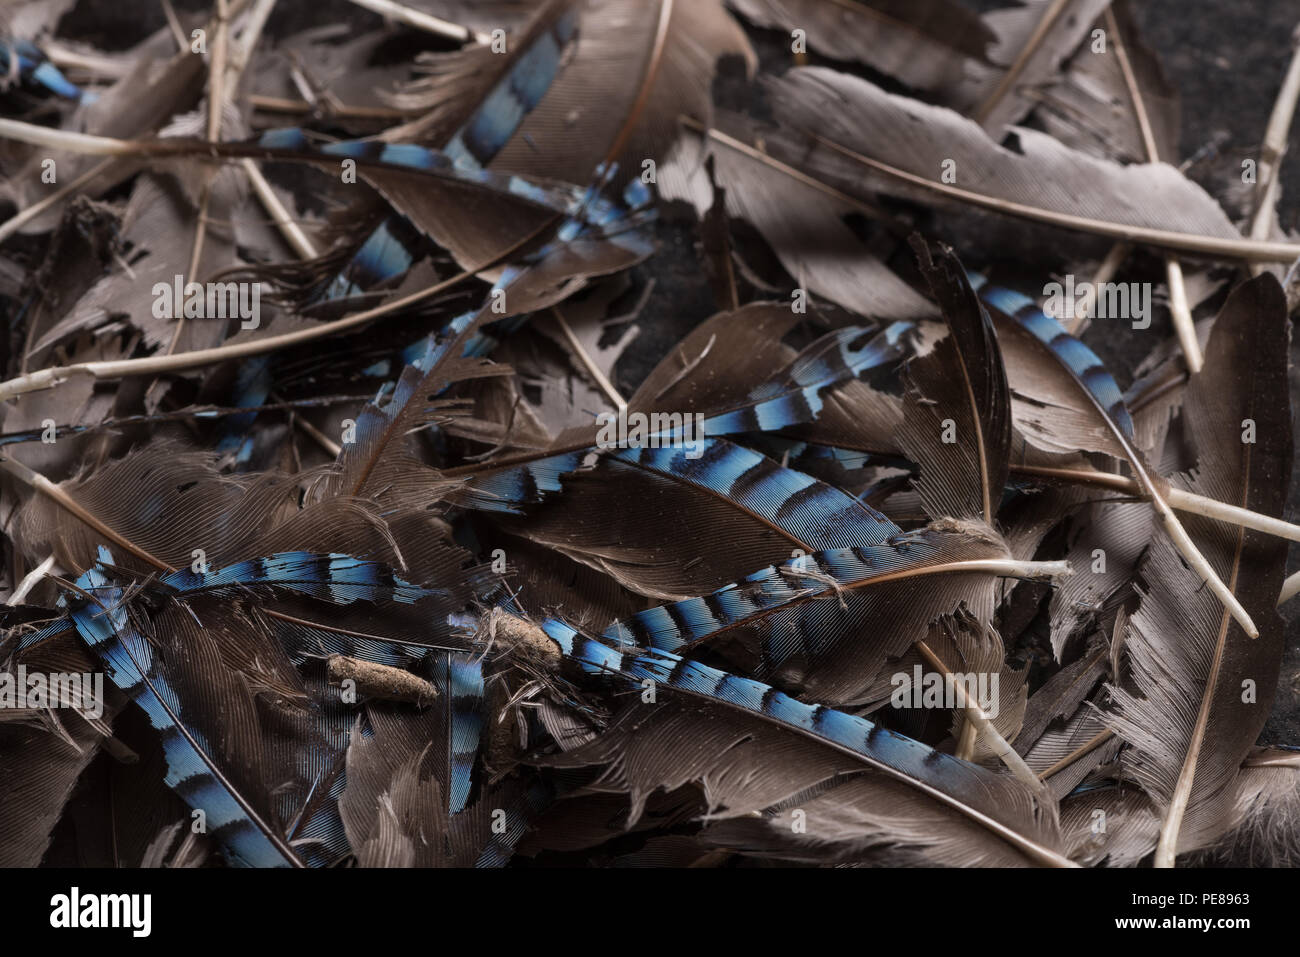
1077 357
594 218
638 665
321 839
129 663
811 511
32 66
333 577
389 250
423 159
792 599
505 491
385 254
797 398
477 142
792 400
520 813
460 679
958 783
589 216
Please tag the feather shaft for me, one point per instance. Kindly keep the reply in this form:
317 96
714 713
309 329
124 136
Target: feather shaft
1043 27
1180 499
976 716
1247 249
422 21
913 764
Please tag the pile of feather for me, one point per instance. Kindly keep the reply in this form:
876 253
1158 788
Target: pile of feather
369 498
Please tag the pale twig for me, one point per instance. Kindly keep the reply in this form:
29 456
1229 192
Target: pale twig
1041 29
1272 758
243 52
1159 499
422 21
1181 314
30 581
249 34
196 254
41 484
976 717
78 143
1290 588
283 219
1179 499
588 363
319 437
1274 145
77 61
1092 744
25 216
174 24
197 358
1105 273
280 104
194 359
1179 310
116 369
216 100
228 63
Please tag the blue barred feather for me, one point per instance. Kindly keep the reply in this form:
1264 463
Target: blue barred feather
388 251
793 598
810 510
476 143
336 578
22 58
104 625
965 786
796 398
460 680
792 399
519 816
1077 357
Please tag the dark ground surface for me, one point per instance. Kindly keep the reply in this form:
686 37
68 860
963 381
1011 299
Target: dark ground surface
1227 57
